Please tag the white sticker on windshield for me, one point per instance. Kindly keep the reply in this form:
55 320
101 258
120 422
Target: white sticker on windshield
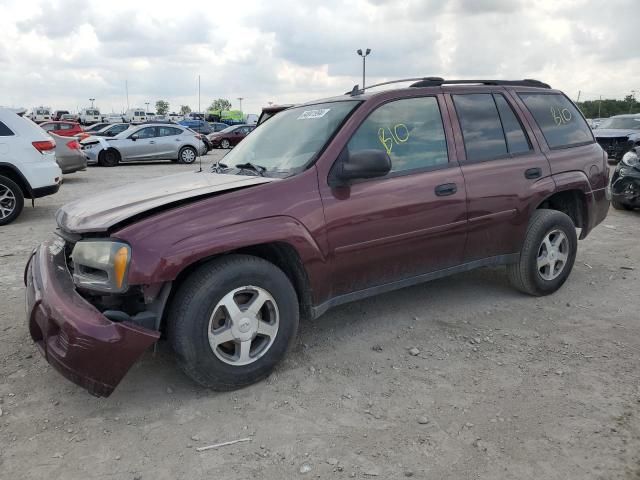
313 113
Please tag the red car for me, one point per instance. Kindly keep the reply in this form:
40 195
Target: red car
327 202
231 136
64 129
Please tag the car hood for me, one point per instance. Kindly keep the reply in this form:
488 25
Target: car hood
102 211
613 132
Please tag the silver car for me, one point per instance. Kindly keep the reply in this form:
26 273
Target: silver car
144 143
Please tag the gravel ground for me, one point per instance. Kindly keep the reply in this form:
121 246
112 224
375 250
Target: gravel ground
458 378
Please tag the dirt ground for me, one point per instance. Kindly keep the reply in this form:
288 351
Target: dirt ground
504 386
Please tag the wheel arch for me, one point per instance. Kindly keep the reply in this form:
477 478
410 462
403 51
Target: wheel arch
572 202
11 172
111 148
280 253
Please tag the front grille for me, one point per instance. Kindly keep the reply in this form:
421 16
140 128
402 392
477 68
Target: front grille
615 147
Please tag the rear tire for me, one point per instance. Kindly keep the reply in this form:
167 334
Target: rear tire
11 200
198 313
547 255
108 158
187 155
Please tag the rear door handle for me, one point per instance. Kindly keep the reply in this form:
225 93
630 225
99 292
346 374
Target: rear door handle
533 173
152 142
446 189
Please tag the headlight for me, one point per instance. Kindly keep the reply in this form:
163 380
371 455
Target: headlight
630 159
101 265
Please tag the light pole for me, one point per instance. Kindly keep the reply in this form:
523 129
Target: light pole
240 100
364 61
147 104
92 100
633 100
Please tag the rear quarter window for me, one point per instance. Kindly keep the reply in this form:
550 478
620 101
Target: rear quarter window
560 121
5 131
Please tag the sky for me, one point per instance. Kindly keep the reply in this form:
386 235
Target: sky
60 53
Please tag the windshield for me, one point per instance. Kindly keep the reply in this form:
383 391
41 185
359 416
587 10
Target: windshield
289 141
632 123
228 129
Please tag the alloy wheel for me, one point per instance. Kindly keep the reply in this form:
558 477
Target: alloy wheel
7 201
188 155
553 255
243 325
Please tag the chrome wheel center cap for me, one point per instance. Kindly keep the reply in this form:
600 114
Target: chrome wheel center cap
244 329
244 325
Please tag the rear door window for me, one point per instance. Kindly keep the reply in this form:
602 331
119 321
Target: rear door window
409 130
481 127
560 121
168 131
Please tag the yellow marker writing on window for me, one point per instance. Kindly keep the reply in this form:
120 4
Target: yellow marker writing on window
398 134
386 142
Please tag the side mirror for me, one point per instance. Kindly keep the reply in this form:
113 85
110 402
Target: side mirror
134 137
359 165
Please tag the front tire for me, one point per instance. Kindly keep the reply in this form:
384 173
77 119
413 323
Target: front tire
232 320
11 200
187 155
108 158
548 254
225 144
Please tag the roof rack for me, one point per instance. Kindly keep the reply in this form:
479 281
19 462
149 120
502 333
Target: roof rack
438 82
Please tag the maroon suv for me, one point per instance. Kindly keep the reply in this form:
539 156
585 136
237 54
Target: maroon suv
327 202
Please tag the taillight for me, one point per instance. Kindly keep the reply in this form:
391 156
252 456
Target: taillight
73 145
44 146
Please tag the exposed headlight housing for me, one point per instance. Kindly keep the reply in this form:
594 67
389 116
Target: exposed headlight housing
101 265
630 159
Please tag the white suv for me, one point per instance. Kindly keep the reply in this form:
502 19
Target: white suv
28 167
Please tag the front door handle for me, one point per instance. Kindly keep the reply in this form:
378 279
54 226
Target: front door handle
533 173
152 142
446 189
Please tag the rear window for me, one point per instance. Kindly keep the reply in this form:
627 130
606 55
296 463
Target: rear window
5 131
560 121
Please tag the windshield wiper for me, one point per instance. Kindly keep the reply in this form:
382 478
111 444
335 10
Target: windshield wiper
252 166
218 167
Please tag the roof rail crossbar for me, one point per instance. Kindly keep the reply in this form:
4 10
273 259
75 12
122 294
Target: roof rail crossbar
438 81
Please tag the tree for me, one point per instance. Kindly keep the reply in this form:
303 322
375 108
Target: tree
220 104
184 109
608 107
162 107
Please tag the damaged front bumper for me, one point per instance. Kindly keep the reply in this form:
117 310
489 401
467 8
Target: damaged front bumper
75 338
625 186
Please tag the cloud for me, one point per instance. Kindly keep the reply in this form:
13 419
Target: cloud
63 52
